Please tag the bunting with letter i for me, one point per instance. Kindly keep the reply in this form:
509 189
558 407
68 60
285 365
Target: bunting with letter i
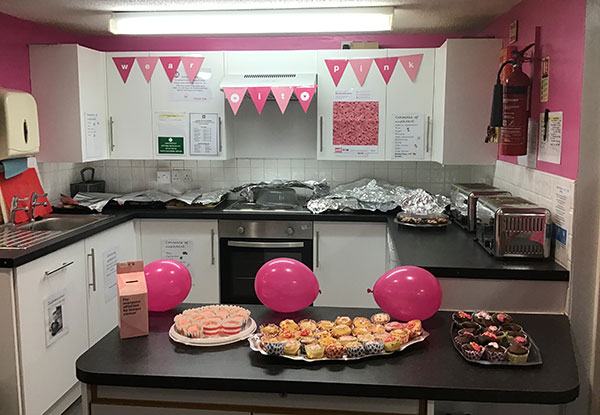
361 69
259 95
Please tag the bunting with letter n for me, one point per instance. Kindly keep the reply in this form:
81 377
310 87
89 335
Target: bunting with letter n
411 64
124 65
386 67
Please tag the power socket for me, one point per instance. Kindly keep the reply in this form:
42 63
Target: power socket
181 176
163 177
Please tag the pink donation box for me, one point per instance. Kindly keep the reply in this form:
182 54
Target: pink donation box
133 299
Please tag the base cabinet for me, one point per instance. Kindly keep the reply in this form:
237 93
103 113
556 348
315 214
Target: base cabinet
349 258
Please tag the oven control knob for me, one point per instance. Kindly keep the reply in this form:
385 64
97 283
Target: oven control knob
241 230
290 231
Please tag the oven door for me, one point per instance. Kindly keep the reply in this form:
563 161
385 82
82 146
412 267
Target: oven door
240 260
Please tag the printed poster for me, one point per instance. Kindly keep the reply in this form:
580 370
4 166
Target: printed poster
55 316
180 250
172 130
94 135
355 124
204 134
409 136
109 272
550 142
201 90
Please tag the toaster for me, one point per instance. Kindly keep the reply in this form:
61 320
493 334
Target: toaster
463 197
513 227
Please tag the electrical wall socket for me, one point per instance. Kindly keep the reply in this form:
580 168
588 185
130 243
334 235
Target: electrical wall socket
163 177
181 176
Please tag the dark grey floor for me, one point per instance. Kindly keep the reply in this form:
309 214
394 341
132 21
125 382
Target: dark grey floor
75 409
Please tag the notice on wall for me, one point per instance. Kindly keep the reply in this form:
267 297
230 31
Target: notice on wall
529 159
55 316
545 80
550 142
353 95
204 134
562 207
172 130
109 270
181 89
409 136
355 124
180 250
94 134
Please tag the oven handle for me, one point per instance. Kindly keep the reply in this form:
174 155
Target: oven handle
246 244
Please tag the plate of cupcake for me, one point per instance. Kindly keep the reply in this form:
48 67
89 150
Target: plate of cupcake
212 325
343 338
493 339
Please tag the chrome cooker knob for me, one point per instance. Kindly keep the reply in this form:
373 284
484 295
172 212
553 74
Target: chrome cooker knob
290 231
241 230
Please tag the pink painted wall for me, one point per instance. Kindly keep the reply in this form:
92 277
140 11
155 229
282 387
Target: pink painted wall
562 38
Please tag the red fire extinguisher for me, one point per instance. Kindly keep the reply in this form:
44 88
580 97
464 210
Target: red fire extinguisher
515 108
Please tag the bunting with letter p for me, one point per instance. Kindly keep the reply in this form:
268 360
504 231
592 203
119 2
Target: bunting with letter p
336 69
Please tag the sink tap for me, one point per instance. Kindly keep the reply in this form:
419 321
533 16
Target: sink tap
35 203
14 207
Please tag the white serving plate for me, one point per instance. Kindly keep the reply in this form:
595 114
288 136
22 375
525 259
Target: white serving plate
217 341
255 344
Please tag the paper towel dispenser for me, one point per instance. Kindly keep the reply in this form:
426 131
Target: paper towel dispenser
19 131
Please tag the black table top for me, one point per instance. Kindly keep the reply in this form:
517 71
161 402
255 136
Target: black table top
430 370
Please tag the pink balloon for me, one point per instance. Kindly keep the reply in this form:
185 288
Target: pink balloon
286 285
168 282
408 293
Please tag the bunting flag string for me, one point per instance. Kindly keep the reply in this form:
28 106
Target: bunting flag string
361 69
336 69
235 97
124 65
259 95
282 96
147 65
304 95
386 67
192 65
170 65
411 64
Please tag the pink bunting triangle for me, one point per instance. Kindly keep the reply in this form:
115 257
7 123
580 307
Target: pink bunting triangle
234 96
411 64
361 69
259 95
170 64
282 95
386 67
124 66
304 95
147 65
192 65
336 69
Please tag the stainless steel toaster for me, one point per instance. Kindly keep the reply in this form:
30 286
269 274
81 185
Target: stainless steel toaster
464 197
513 227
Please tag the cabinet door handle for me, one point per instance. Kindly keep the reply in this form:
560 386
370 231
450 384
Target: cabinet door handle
220 135
92 255
111 135
318 262
55 270
212 247
321 134
427 134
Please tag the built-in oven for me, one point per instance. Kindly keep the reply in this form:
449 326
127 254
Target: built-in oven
246 245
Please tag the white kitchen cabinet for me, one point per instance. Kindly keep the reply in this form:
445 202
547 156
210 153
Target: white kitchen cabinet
465 74
191 242
129 110
69 85
349 257
103 251
406 97
373 89
181 97
51 337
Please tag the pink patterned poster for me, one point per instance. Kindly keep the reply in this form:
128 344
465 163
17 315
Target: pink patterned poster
282 96
192 65
336 69
234 97
147 65
170 64
259 95
386 67
304 95
124 66
411 64
361 69
355 123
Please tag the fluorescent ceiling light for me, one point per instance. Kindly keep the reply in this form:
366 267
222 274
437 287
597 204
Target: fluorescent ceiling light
330 20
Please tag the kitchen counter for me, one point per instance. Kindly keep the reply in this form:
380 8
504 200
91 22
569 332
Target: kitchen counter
449 252
430 370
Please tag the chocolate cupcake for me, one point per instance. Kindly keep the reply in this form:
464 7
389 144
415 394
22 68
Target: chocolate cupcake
510 335
462 339
502 318
461 317
511 327
470 326
521 339
487 337
483 318
472 351
494 352
517 353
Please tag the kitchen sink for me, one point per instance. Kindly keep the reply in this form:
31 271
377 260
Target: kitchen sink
62 223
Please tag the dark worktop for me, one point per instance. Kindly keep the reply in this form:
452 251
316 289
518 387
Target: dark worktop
430 370
449 252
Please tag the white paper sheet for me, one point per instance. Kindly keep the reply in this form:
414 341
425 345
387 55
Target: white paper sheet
550 147
55 315
109 268
409 136
200 91
352 95
180 250
204 134
171 133
94 135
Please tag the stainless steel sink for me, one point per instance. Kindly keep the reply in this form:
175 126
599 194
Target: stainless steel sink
62 223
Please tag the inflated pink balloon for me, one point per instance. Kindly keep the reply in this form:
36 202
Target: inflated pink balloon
286 285
408 293
168 282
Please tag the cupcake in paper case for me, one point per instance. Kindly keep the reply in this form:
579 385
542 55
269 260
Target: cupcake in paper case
305 341
325 325
363 338
487 337
335 351
517 353
391 344
463 339
493 329
470 326
511 335
320 334
270 329
288 325
361 322
355 349
377 328
415 327
211 328
305 333
193 332
393 325
343 320
494 352
373 347
274 347
326 341
314 351
380 318
356 331
291 347
289 335
472 351
307 324
483 318
341 330
344 340
511 327
461 317
232 326
502 318
403 335
521 339
182 324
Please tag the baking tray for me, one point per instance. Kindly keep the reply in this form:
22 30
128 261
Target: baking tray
218 341
255 344
422 225
534 358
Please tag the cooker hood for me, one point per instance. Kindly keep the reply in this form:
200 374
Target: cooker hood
268 80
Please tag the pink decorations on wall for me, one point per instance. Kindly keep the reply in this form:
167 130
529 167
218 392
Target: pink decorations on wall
192 65
259 95
411 64
386 67
235 97
147 65
124 65
304 95
361 69
336 69
170 64
282 96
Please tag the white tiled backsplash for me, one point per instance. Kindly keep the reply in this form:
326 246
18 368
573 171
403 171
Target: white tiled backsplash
540 188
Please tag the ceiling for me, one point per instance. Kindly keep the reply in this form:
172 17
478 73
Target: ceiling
411 16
